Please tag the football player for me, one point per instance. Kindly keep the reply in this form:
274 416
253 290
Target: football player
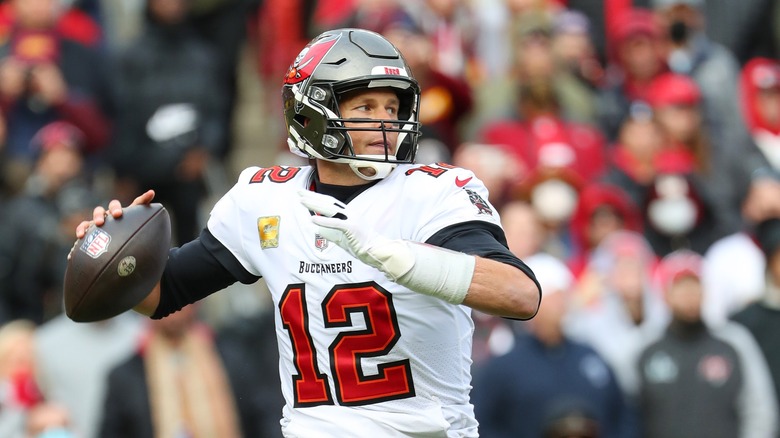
373 262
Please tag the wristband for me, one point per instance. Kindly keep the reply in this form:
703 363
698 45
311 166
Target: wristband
425 269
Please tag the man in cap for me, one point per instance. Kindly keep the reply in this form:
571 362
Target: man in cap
717 373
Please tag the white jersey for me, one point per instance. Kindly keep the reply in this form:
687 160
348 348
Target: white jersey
359 354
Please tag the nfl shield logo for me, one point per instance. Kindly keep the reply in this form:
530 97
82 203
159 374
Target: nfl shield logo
96 243
320 242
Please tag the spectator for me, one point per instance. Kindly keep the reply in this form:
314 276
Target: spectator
762 317
182 382
618 308
73 362
497 22
632 161
18 389
760 99
446 100
722 179
715 373
451 28
35 235
634 60
601 210
689 51
579 70
678 212
45 77
171 122
515 393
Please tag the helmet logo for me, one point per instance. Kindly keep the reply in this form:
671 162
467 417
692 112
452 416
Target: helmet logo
309 58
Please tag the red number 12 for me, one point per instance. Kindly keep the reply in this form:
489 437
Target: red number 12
311 387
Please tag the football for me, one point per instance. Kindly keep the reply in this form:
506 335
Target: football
115 266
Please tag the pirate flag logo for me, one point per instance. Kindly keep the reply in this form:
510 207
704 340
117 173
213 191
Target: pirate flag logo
309 58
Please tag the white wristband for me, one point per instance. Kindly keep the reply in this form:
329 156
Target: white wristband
426 269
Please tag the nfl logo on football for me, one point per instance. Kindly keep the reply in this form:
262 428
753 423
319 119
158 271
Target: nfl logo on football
96 243
320 242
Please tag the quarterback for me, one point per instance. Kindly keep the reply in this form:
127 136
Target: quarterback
373 262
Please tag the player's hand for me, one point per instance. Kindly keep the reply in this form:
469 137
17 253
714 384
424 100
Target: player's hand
334 224
99 214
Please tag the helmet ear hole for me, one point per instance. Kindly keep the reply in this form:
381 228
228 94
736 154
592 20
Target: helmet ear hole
301 119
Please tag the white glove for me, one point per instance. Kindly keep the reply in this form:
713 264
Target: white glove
389 256
422 268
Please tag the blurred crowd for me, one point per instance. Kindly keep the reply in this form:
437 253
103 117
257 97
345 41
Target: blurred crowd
632 149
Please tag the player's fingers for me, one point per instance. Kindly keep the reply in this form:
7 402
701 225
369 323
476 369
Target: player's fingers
322 204
115 208
81 229
145 198
328 222
99 215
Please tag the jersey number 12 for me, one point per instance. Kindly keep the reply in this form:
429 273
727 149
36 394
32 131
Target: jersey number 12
352 387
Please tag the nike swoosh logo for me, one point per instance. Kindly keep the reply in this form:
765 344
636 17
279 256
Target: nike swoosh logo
462 182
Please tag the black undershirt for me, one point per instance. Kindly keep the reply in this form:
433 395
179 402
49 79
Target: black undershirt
204 266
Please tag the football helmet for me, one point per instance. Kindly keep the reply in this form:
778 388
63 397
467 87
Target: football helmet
338 62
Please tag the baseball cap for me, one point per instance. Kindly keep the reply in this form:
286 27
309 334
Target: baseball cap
673 89
635 21
678 264
768 236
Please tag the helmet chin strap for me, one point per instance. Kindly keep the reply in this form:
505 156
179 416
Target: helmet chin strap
371 170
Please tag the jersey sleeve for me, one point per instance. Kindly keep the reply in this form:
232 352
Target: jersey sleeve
230 220
456 196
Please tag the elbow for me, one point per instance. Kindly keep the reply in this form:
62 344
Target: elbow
526 298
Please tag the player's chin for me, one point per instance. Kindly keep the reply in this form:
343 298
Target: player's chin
378 149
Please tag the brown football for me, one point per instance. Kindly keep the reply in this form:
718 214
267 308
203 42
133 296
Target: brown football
115 266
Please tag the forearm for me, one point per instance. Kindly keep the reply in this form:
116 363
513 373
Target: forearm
503 290
483 284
